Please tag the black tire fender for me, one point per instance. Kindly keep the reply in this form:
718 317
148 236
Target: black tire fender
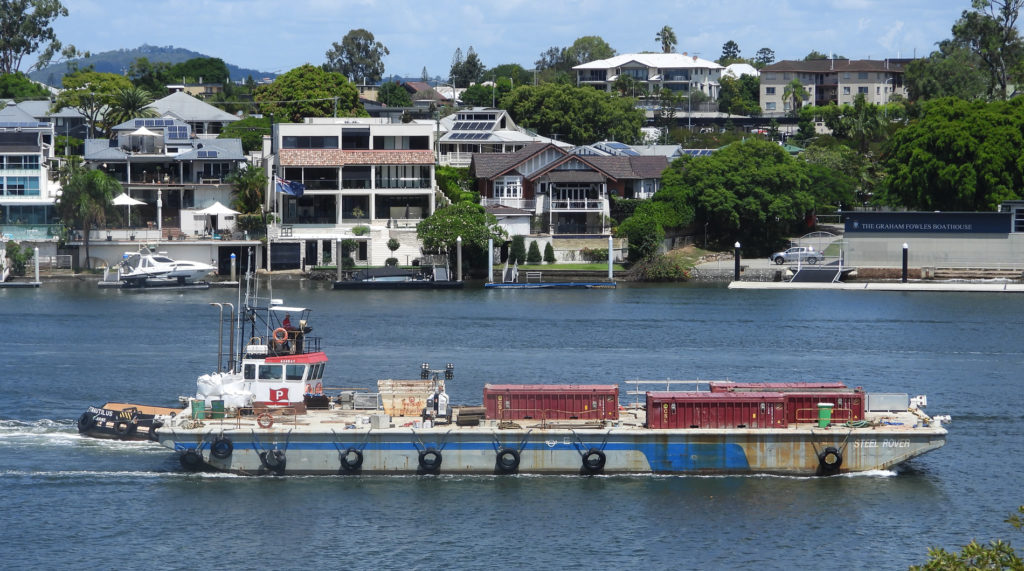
430 460
222 448
829 461
274 460
156 425
351 459
507 460
191 460
593 461
124 428
86 422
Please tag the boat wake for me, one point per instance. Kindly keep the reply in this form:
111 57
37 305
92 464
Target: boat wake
48 432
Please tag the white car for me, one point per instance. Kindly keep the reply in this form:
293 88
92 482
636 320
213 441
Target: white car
798 254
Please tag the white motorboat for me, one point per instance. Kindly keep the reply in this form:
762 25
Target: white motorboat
148 268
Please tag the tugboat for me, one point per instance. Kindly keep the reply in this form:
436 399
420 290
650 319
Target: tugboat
120 421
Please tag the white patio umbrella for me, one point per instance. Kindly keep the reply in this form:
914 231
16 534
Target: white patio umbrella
143 132
124 200
216 209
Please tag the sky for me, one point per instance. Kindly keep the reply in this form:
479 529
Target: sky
276 36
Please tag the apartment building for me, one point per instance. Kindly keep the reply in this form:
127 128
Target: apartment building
836 81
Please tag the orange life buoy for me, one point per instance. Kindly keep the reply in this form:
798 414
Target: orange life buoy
280 335
265 420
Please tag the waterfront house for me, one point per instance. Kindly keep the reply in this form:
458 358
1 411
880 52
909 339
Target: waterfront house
679 73
362 179
482 130
27 197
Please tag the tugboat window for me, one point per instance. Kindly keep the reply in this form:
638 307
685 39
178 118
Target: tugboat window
250 372
270 372
294 372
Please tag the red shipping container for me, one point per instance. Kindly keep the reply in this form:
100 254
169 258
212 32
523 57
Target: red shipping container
729 386
697 409
552 402
803 407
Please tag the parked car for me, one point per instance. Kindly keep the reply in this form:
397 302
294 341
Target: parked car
798 254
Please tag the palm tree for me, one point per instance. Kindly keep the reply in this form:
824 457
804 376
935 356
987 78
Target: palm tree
795 90
83 202
249 184
128 103
667 38
865 124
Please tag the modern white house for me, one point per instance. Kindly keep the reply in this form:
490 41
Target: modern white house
362 179
681 73
27 196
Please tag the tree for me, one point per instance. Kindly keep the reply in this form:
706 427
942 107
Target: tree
19 87
549 253
643 231
578 115
25 26
309 91
196 70
752 191
250 130
83 202
466 71
151 76
517 251
763 57
667 38
815 54
553 58
393 95
440 230
424 76
865 123
90 92
481 95
795 92
514 72
958 156
588 48
740 96
533 255
248 186
358 57
951 71
127 103
996 555
990 31
730 53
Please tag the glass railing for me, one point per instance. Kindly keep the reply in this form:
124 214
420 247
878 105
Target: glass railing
30 231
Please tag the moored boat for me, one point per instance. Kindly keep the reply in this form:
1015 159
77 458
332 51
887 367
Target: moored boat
147 269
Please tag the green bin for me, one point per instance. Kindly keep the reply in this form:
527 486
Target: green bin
198 409
217 407
824 414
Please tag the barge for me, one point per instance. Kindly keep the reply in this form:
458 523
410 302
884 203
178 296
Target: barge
271 414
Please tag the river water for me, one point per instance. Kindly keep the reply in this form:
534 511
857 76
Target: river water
74 502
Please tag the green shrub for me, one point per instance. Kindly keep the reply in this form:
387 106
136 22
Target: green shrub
360 230
533 257
19 258
549 253
659 268
347 263
393 262
517 253
251 223
594 254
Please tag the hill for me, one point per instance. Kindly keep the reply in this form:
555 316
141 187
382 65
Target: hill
117 61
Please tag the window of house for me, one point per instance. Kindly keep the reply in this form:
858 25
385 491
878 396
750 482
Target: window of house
769 75
355 177
785 76
769 106
878 90
862 75
296 142
508 187
21 186
402 176
846 90
862 89
355 139
769 91
846 75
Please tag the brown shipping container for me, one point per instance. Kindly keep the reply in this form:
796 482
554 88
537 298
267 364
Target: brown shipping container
803 407
729 386
715 410
552 402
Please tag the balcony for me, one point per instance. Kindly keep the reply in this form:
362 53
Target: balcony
577 204
510 202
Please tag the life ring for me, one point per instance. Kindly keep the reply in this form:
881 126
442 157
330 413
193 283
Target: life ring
829 461
273 460
507 460
156 425
265 420
86 422
430 460
123 428
283 335
593 461
352 459
190 460
222 448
